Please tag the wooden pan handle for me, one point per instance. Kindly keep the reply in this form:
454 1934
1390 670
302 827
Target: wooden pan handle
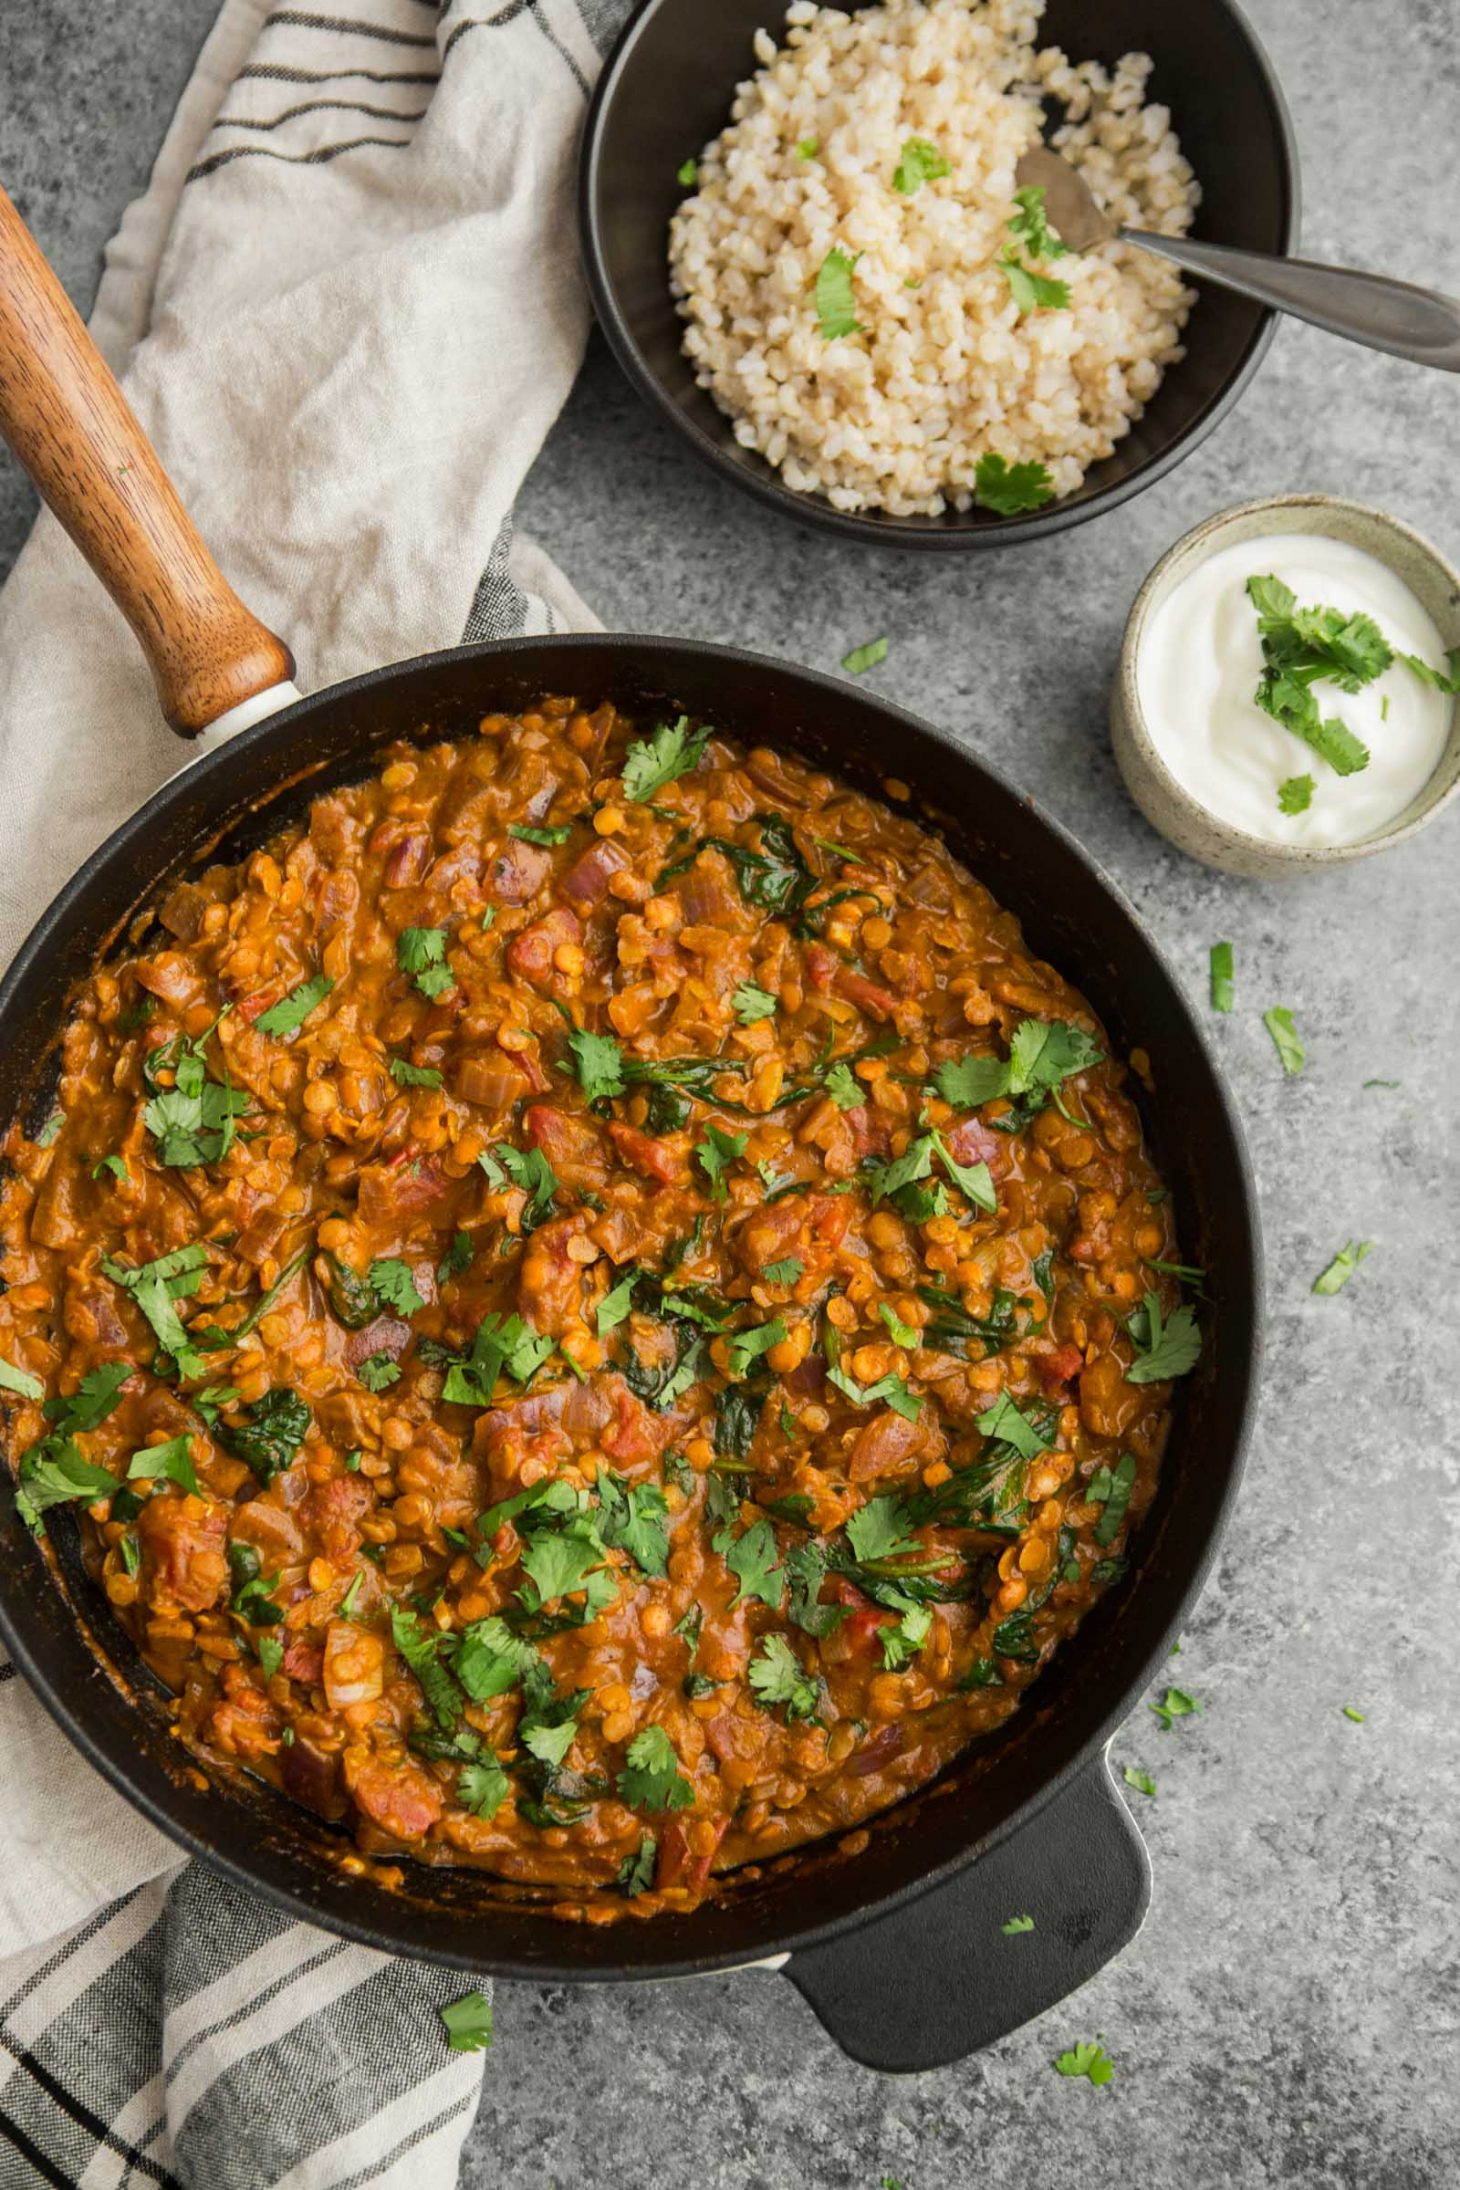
73 430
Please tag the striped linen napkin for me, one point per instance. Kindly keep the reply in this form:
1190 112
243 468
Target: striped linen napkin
347 311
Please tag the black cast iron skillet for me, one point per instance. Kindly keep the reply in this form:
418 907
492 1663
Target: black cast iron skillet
667 88
896 1943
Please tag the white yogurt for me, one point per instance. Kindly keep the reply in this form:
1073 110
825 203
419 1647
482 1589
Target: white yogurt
1198 668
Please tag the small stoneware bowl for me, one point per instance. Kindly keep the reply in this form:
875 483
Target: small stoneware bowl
1167 804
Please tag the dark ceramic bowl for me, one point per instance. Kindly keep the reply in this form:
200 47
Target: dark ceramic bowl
667 89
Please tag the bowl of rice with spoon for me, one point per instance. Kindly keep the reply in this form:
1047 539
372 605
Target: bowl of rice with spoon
883 315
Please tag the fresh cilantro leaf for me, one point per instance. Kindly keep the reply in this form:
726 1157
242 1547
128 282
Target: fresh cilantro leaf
405 1074
468 2022
844 1088
1010 489
1044 1053
921 162
174 1460
784 1272
879 1530
806 1567
378 1372
1006 1422
1295 795
889 1391
863 658
1350 1713
672 751
651 1779
1446 680
715 1153
1162 1350
599 1064
1032 292
1111 1488
529 1170
778 1677
636 1872
974 1180
808 148
903 1334
527 834
836 311
752 1560
419 1645
903 1638
20 1381
1279 1024
482 1787
92 1401
394 1285
687 174
635 1517
559 1561
195 1120
269 1432
54 1472
967 1082
1273 600
751 1003
269 1647
1343 1266
490 1659
747 1347
616 1306
1089 2060
458 1257
1224 990
291 1011
1175 1704
1141 1781
1029 225
421 953
1017 1924
500 1343
116 1165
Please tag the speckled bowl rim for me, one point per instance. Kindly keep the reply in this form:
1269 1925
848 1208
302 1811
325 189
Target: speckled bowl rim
1197 546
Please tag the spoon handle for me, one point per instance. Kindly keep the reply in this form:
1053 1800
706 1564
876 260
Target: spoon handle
1420 324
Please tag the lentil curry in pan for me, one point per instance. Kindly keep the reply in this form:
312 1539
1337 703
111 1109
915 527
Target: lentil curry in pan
603 1315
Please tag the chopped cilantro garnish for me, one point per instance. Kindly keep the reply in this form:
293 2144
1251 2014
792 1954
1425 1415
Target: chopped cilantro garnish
500 1343
559 1561
527 1169
836 311
747 1347
20 1381
482 1787
195 1120
1343 1266
687 174
751 1003
651 1778
1032 292
421 953
468 2022
1043 1054
1175 1704
920 162
778 1677
173 1460
672 751
1111 1488
844 1088
599 1064
1029 226
636 1872
751 1558
888 1391
1163 1350
1015 1925
527 834
291 1011
1224 991
616 1306
634 1517
1302 647
1087 2059
1443 680
1009 1425
378 1372
808 148
405 1074
784 1272
116 1165
458 1257
1010 489
269 1431
1279 1024
394 1285
715 1153
1350 1713
903 1334
879 1530
863 658
1141 1781
1295 795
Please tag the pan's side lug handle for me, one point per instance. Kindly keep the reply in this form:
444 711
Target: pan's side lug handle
941 1978
73 431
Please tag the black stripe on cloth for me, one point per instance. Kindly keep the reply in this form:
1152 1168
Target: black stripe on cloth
318 158
79 2114
499 605
15 2135
296 19
559 48
276 72
253 2003
603 20
319 106
68 1946
508 14
376 2167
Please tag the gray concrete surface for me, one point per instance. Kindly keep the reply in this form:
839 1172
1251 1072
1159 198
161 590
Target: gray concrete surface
1291 2013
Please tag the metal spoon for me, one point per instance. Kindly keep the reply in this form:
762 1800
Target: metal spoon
1420 324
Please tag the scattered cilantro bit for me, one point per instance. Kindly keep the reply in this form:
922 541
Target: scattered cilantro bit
836 312
863 658
378 1372
879 1530
778 1677
419 1645
599 1064
195 1120
715 1153
54 1472
500 1343
1163 1350
920 162
1224 988
1032 292
1010 489
674 750
394 1285
747 1347
1279 1024
1141 1781
482 1786
156 1287
527 1169
1295 795
902 1638
421 953
1007 1422
1089 2059
527 834
888 1391
687 174
468 2022
903 1334
751 1003
1174 1705
1343 1266
559 1561
116 1165
20 1381
50 1129
1446 680
490 1659
844 1088
173 1460
269 1433
1350 1713
651 1778
269 1647
784 1272
1017 1924
458 1257
615 1307
752 1560
1302 647
636 1872
634 1517
808 148
405 1074
1043 1054
291 1011
1111 1488
1029 226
